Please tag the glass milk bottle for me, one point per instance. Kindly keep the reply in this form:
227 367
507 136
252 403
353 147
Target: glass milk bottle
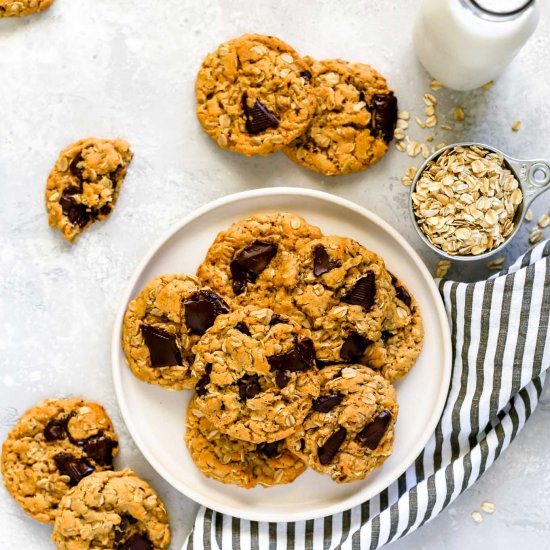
465 43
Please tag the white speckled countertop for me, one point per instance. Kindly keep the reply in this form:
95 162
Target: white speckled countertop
127 68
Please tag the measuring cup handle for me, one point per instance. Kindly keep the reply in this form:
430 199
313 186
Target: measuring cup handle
535 178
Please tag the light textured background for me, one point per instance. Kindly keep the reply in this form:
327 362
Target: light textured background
127 68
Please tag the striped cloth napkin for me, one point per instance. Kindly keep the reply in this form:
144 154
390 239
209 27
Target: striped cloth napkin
501 349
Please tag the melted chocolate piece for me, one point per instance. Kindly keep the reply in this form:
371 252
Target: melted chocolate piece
322 262
241 327
332 445
163 349
269 449
57 428
386 335
76 213
353 347
75 170
75 468
363 293
384 115
373 432
200 387
301 357
326 403
100 449
120 529
202 309
250 262
136 542
306 75
281 379
403 295
249 386
276 319
105 209
258 117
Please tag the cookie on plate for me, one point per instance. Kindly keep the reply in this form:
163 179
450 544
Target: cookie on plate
52 447
85 182
400 344
257 375
112 510
343 290
353 122
253 95
163 323
350 430
242 463
247 261
19 8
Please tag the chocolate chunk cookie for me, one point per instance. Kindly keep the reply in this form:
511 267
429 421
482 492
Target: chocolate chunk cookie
84 185
19 8
400 344
343 290
247 261
257 375
53 447
254 95
112 510
163 323
354 119
350 429
238 462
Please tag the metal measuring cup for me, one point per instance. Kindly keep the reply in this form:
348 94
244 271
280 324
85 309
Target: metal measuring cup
533 177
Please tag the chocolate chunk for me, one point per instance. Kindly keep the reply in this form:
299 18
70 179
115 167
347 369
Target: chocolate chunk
328 451
322 262
249 386
75 468
200 387
162 345
326 403
202 309
361 95
120 529
373 432
136 542
76 213
269 449
241 327
301 357
363 293
302 444
250 262
306 75
353 347
276 319
281 379
384 114
258 117
403 295
386 335
100 448
75 170
57 428
105 209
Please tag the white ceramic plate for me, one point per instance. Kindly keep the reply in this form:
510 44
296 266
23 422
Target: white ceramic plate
155 417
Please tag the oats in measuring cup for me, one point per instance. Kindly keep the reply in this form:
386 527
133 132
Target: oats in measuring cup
465 200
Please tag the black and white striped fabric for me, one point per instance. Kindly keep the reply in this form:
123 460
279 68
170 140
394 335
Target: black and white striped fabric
501 345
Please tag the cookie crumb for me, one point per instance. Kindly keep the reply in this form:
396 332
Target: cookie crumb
458 114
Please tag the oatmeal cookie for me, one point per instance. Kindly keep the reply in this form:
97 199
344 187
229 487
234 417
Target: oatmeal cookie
257 375
247 261
400 344
343 290
163 323
19 8
53 446
238 462
353 122
350 429
112 510
84 184
253 95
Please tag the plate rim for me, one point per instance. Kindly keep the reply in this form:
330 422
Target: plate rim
116 367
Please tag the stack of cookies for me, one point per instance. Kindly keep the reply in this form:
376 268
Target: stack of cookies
256 96
57 463
291 341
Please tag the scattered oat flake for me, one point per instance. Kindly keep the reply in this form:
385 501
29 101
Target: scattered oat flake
429 138
516 126
429 111
442 268
404 115
436 85
529 215
544 221
488 85
495 265
430 99
458 113
477 517
413 148
535 236
420 122
400 146
399 133
446 127
488 507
